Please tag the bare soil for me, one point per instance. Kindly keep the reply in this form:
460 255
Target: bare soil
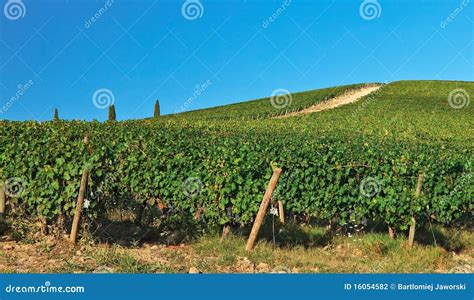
344 99
210 256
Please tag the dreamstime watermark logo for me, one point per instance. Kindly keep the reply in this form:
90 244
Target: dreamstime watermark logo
192 10
192 187
367 100
369 187
103 98
14 9
454 14
14 186
370 9
276 14
198 91
458 98
101 11
22 88
362 106
281 98
44 288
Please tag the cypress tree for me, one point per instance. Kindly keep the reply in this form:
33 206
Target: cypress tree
112 115
56 115
156 112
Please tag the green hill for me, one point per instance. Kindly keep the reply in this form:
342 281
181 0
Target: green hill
409 109
268 107
210 167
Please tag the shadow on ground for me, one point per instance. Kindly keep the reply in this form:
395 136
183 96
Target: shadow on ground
290 234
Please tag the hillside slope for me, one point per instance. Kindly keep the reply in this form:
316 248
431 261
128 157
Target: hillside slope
354 162
278 104
410 109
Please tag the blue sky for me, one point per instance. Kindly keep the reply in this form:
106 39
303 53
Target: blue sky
55 53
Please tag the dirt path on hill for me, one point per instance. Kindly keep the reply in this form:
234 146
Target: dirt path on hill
346 98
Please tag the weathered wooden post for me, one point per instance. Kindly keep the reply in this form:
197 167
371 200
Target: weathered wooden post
411 233
281 212
2 199
391 232
263 209
79 204
3 223
225 233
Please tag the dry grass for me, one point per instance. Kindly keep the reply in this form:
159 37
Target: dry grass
306 250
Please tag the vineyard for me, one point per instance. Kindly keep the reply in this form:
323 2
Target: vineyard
356 163
281 103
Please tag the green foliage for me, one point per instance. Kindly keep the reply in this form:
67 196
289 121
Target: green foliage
112 115
156 111
325 158
267 107
56 115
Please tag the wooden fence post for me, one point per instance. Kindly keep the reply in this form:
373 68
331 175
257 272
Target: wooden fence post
281 212
79 204
225 233
263 208
391 232
411 233
3 223
2 199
